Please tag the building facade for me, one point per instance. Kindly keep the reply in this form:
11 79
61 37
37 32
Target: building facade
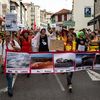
28 15
45 18
83 12
97 14
59 17
37 16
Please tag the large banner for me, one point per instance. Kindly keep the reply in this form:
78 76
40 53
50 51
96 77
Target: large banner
22 62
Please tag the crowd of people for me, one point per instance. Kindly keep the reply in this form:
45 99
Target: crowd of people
39 41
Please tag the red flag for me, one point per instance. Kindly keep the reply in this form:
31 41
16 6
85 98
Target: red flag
34 25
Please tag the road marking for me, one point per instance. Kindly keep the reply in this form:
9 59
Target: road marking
93 75
6 89
59 82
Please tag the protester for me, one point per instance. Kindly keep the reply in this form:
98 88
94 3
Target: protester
68 36
9 44
42 41
25 41
81 41
53 33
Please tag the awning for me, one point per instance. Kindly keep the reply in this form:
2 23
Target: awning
93 21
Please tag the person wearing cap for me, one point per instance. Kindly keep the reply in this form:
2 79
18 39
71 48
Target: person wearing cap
10 45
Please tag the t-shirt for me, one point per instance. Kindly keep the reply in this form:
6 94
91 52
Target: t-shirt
43 43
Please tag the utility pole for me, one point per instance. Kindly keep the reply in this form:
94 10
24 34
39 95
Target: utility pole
94 15
21 11
94 18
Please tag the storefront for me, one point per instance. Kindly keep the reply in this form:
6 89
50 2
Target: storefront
95 21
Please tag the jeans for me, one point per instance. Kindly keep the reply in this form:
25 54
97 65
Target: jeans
9 77
69 78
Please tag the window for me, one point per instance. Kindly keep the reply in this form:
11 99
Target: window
59 18
13 7
65 17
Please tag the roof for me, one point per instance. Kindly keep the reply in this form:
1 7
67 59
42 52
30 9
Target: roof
14 1
63 11
23 5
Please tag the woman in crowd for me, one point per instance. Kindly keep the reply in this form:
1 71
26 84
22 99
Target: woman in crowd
25 41
43 41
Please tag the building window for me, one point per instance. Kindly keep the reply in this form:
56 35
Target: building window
59 18
13 8
65 17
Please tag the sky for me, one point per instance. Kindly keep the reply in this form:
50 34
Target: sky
52 5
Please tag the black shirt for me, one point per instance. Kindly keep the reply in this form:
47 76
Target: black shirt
43 44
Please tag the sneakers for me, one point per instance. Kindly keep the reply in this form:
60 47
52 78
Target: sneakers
70 88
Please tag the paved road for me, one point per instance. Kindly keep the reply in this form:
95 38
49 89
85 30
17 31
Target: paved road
47 87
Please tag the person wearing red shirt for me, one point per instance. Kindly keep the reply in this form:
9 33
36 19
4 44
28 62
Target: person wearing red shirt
25 42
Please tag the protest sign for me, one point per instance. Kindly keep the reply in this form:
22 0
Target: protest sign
57 45
11 22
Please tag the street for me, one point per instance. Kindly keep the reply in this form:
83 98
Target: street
52 87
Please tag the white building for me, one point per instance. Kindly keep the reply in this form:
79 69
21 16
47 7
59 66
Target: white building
5 7
45 18
82 13
23 14
28 15
17 7
33 14
37 15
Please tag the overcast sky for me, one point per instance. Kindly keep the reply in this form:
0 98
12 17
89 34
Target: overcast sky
52 5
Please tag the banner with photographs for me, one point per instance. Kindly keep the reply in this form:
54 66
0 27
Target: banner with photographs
64 62
84 61
41 63
35 63
17 62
